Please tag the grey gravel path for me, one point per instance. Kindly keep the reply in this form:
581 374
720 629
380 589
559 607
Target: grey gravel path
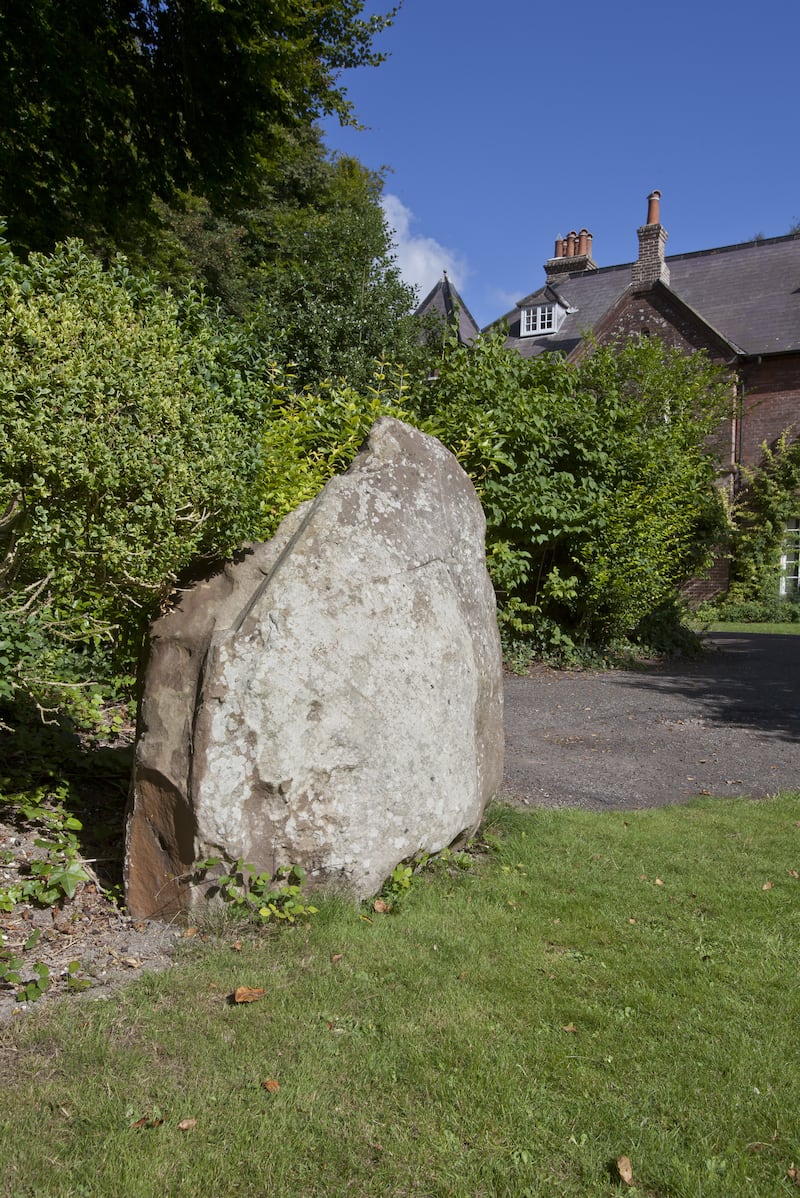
727 723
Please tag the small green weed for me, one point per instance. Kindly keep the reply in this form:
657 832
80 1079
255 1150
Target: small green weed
30 979
60 872
400 878
12 971
252 893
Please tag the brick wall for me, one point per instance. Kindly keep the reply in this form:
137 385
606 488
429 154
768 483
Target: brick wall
770 404
652 313
710 586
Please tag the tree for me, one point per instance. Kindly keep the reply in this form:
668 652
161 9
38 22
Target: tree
108 104
330 300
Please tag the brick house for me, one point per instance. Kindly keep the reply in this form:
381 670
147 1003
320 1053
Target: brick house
740 303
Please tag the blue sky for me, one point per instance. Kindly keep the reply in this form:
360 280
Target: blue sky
506 124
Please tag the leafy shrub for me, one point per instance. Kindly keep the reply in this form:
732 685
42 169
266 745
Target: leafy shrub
596 481
132 424
315 433
733 609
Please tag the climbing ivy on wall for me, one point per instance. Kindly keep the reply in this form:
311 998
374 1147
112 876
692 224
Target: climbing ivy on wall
769 498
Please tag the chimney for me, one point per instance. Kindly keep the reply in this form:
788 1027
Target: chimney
651 267
572 255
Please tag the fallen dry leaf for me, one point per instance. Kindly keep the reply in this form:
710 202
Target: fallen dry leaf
768 886
381 906
132 962
625 1170
187 935
247 994
793 1175
631 921
145 1122
336 958
569 1027
237 946
793 873
271 1085
659 882
187 1124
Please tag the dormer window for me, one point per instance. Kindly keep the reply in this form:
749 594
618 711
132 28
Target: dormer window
544 318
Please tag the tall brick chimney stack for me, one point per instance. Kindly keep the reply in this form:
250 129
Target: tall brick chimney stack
572 255
650 267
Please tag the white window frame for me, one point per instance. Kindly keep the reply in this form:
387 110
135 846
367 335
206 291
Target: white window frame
790 558
543 318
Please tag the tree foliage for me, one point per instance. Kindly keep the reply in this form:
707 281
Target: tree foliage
108 104
596 480
330 300
182 132
315 434
132 426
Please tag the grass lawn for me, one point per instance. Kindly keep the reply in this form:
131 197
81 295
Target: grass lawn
596 986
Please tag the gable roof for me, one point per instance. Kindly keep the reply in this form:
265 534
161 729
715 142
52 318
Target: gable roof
444 301
749 295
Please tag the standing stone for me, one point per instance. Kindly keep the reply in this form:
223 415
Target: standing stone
332 698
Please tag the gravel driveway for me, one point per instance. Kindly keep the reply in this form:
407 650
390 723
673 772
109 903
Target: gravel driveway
727 723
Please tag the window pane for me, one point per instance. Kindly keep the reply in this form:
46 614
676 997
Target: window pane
790 559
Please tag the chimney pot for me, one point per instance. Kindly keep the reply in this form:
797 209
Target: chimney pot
654 208
572 254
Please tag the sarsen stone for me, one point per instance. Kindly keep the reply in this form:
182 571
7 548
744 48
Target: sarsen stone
332 698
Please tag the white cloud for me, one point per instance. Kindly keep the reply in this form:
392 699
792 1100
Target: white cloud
506 300
420 260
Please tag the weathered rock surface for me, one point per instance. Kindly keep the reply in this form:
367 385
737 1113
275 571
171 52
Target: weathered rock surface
331 699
